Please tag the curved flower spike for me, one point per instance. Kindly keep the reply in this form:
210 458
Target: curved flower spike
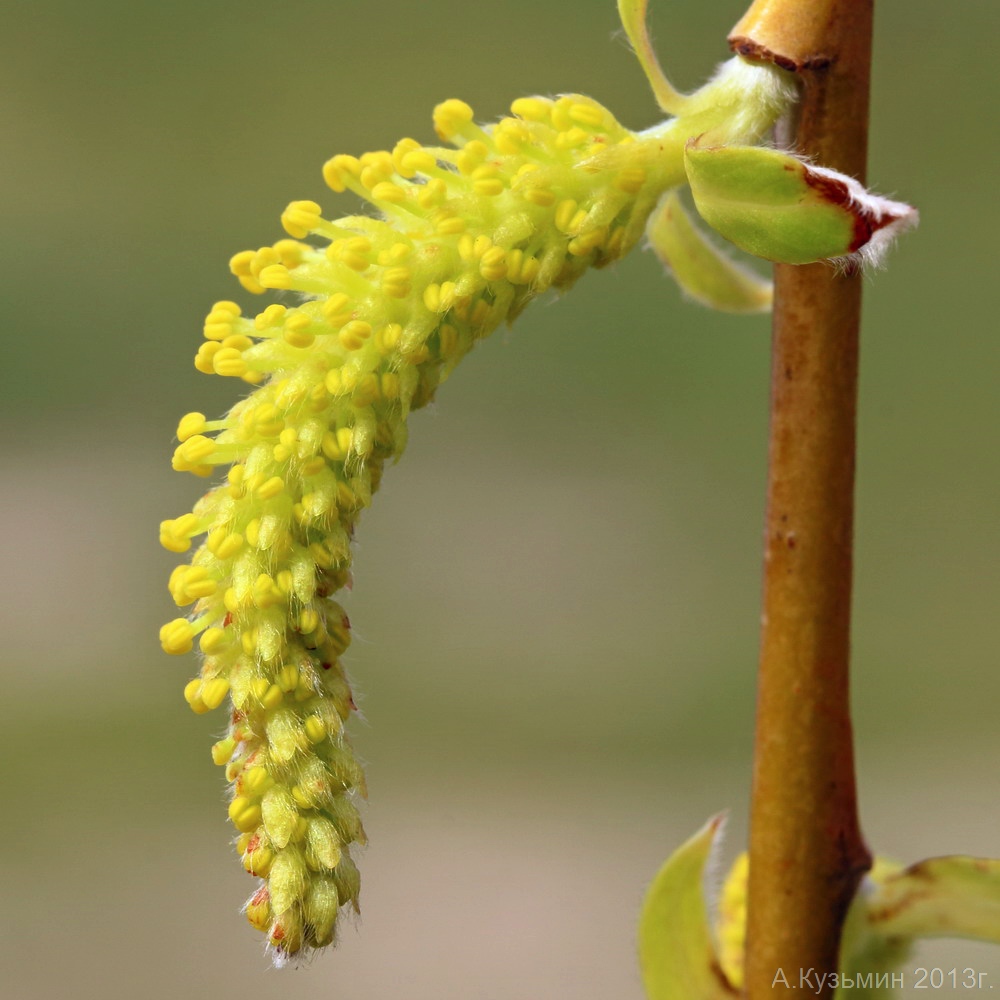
376 312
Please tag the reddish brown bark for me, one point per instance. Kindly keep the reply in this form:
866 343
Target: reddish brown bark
807 855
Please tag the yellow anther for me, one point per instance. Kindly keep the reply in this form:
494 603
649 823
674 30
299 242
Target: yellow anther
376 167
175 536
530 270
337 309
366 391
336 446
292 253
486 180
203 359
346 499
565 214
264 257
248 640
255 781
272 316
272 697
390 385
265 593
222 752
300 218
434 193
257 862
510 135
540 196
340 170
353 251
315 729
213 692
450 225
387 339
493 264
450 117
270 489
471 156
239 264
229 361
194 450
275 276
177 636
192 691
631 179
213 640
587 114
560 113
288 678
532 109
258 909
353 335
297 332
399 152
581 245
466 244
308 621
226 308
417 161
334 382
244 814
218 324
320 555
313 467
259 687
396 282
440 298
572 138
280 453
386 191
190 424
231 601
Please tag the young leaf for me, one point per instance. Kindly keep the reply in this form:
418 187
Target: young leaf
676 952
702 270
776 206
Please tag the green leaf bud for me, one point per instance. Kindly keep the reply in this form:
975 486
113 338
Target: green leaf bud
776 206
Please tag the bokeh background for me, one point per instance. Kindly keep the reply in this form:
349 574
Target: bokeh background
557 590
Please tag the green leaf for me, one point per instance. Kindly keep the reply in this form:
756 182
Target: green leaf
952 896
676 952
761 200
701 269
776 206
633 18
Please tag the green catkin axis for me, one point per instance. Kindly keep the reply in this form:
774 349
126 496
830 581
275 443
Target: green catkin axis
387 306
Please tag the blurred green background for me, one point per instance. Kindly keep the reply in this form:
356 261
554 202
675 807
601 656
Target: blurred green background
557 591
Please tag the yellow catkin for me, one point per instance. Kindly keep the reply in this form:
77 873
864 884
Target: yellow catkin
376 312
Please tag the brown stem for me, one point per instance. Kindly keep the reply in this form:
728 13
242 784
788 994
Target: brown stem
807 855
